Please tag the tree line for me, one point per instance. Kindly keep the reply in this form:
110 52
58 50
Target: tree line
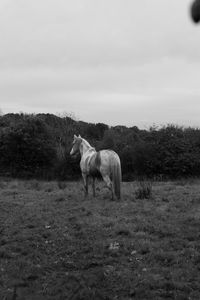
38 146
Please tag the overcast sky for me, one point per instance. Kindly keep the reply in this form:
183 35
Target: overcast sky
122 62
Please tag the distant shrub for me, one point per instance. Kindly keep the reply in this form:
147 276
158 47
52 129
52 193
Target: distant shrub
144 190
62 185
27 149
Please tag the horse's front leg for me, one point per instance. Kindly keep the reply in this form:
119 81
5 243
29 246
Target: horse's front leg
85 182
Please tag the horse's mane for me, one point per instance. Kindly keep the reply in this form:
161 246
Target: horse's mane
88 144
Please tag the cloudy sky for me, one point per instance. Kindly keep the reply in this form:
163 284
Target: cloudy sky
114 61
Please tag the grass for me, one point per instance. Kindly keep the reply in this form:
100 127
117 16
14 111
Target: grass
56 245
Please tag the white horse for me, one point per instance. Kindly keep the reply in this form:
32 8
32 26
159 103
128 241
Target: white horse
105 162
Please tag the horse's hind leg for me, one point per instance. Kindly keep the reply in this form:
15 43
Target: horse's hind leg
93 186
108 182
85 182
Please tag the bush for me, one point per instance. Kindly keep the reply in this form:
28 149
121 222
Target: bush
39 145
144 190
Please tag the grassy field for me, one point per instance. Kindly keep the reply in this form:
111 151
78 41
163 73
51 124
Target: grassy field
56 245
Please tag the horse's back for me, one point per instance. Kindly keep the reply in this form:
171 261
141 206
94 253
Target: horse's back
109 156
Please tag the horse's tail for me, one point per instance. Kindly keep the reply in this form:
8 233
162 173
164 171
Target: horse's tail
117 177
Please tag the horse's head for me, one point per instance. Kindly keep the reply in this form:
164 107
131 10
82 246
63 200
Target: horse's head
76 145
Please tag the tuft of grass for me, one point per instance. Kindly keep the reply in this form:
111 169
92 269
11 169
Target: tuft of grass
3 184
123 232
60 199
14 184
144 190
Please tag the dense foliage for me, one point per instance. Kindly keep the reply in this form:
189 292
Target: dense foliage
39 145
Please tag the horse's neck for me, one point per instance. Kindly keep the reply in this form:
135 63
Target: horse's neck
86 147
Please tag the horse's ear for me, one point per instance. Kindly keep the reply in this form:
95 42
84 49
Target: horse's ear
79 136
75 136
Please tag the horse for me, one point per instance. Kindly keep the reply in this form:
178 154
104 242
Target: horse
103 162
